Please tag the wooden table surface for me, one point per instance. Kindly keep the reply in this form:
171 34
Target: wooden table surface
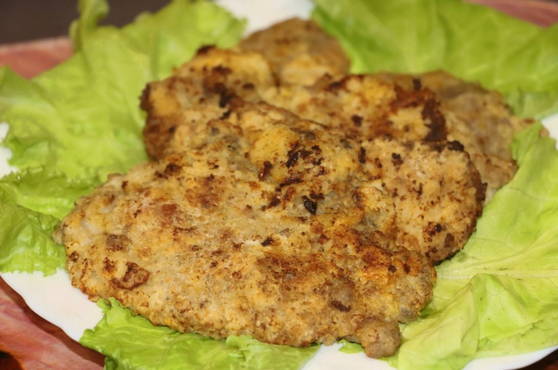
29 342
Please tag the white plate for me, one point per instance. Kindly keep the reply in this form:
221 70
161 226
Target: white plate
54 299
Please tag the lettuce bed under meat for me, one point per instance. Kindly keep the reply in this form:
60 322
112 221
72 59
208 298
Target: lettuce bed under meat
75 124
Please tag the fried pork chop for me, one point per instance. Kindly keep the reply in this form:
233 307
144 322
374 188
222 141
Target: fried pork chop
276 227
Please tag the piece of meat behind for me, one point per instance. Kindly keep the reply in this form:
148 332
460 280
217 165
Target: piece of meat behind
299 52
433 106
291 52
477 118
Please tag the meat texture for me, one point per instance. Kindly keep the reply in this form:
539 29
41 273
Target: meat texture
477 118
365 107
276 227
299 52
199 91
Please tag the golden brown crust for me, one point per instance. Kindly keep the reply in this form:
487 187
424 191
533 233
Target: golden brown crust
199 91
365 107
477 118
436 193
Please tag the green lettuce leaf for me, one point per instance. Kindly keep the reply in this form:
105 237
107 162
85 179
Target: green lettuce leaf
350 347
45 191
25 240
499 295
132 342
75 124
471 41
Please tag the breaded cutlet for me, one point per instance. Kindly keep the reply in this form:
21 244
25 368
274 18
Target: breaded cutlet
271 226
